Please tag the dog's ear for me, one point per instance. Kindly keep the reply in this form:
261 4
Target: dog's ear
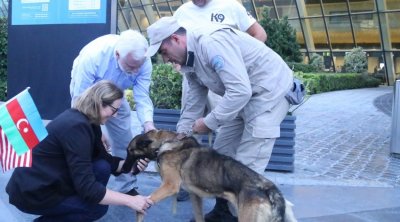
189 142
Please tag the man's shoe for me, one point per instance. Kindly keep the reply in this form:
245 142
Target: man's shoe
132 192
220 216
182 195
220 213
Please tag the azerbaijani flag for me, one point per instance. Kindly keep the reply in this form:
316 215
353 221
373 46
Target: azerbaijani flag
21 123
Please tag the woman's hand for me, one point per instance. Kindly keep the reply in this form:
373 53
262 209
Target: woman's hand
106 144
141 165
139 203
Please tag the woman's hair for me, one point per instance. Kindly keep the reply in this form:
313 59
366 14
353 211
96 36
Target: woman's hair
102 93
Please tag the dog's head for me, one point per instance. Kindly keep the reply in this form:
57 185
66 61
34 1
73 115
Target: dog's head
147 145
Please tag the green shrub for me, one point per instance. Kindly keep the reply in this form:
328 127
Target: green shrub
3 59
166 87
129 97
301 67
355 61
281 37
317 61
326 82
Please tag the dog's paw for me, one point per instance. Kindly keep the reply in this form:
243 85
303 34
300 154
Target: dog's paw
128 165
135 169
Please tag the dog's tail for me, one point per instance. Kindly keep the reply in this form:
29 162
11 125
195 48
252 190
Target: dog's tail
281 209
277 204
289 215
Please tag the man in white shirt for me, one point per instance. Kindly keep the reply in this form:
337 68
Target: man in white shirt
226 12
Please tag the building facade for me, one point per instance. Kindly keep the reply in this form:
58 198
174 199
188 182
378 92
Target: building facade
330 28
327 27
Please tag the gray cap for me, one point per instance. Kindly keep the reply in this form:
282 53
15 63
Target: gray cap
160 30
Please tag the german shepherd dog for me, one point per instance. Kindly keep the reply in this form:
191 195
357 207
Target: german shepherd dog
206 173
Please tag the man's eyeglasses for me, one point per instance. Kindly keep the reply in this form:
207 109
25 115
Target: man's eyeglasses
115 110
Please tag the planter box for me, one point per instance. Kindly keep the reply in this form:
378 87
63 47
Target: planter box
282 158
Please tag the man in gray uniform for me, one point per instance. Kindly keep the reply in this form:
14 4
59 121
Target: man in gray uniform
251 78
227 12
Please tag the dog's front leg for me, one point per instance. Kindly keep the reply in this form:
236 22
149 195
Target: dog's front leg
167 188
197 204
171 181
139 217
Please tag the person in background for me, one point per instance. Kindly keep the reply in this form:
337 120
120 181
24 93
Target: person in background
71 167
120 59
251 78
227 12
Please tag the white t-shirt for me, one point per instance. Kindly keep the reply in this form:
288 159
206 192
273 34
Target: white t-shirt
227 12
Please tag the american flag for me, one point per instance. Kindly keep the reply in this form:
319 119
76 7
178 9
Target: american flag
9 159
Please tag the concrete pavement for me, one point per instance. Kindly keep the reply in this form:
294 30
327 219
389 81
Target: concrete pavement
343 167
343 138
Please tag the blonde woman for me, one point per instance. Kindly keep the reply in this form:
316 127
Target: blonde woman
71 168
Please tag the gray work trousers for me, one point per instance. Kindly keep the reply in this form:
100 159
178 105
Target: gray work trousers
251 142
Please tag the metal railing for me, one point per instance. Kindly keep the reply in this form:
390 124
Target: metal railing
395 137
3 8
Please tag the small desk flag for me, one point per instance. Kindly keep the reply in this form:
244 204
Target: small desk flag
21 129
